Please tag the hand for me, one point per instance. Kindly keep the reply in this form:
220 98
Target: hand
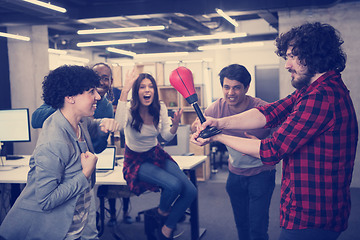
130 78
109 125
88 163
195 139
177 116
196 125
213 122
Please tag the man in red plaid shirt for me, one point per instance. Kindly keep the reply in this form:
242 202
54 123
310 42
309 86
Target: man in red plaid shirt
316 137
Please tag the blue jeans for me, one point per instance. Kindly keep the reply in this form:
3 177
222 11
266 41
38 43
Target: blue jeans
250 197
177 193
308 234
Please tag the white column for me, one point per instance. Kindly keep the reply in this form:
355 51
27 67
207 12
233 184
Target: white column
28 64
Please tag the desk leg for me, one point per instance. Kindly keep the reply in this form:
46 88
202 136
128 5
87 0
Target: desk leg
15 192
194 211
102 216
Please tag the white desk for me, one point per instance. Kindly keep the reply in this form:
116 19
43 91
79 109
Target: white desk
21 167
116 177
19 172
186 163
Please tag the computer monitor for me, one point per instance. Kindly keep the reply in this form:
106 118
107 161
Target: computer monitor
179 145
14 125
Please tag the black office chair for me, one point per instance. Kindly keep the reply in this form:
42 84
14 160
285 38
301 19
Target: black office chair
110 192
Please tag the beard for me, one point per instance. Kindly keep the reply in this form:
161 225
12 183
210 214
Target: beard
302 80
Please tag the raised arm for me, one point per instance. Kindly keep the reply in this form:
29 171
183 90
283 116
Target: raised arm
121 110
130 78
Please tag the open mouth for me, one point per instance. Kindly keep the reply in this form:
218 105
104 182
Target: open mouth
147 97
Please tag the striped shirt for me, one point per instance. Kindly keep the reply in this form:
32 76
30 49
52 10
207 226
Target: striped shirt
317 141
82 206
80 215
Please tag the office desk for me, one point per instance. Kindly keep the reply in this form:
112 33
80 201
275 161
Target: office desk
186 163
18 173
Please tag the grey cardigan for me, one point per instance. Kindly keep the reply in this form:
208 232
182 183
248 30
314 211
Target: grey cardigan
45 208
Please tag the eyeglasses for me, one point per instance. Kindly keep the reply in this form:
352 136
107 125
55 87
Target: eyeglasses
105 78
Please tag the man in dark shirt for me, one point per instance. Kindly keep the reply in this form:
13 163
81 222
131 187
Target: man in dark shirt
316 137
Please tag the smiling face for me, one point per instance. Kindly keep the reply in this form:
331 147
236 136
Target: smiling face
85 103
300 75
146 92
105 79
234 92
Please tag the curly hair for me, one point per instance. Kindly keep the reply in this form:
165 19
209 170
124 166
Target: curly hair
67 81
154 107
235 72
317 45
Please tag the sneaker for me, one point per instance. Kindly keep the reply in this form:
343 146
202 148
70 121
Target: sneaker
128 220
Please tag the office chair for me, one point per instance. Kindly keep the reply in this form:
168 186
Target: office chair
110 191
217 148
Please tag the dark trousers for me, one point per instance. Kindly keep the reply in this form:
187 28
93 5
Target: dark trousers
250 198
308 234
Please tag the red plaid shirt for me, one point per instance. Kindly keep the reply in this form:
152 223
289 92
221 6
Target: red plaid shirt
132 163
317 141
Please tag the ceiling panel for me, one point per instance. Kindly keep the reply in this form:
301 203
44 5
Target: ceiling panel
180 18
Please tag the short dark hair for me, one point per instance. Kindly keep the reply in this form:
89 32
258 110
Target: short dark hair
67 81
317 45
103 64
235 72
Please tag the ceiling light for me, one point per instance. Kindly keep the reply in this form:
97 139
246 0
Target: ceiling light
227 17
207 37
18 37
76 59
236 45
114 42
57 51
124 63
168 54
120 51
102 19
119 30
190 61
46 5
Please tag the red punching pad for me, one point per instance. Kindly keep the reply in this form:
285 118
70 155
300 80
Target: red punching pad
182 80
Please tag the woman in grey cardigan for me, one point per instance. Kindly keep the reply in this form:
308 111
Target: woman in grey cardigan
55 202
